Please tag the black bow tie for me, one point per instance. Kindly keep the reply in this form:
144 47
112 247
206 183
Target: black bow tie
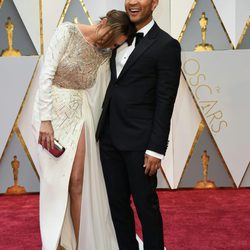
138 37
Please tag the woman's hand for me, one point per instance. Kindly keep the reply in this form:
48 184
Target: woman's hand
46 135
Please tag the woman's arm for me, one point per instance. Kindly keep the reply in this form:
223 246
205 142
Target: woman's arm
54 54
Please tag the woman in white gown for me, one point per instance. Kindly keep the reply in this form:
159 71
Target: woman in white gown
74 209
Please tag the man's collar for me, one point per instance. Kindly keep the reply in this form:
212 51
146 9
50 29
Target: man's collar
147 27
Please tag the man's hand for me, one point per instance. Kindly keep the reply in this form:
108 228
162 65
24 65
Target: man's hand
46 135
151 164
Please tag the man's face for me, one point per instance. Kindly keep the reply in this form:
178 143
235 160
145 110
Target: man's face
140 11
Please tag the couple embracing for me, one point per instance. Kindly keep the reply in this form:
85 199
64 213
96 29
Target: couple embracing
111 112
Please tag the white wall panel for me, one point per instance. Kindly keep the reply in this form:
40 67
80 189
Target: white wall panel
179 13
234 14
16 73
25 118
226 10
99 8
222 92
51 11
30 14
242 14
186 121
162 15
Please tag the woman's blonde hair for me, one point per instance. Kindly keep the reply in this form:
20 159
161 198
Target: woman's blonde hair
119 24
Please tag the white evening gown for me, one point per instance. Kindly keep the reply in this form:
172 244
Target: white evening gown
69 98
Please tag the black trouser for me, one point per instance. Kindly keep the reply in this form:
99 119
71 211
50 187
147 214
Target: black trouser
124 175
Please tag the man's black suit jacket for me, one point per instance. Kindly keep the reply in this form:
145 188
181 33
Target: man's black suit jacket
139 103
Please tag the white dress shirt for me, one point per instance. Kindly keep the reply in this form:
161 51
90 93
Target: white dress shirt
122 55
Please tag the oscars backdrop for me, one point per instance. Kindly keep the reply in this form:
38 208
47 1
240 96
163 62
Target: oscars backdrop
209 141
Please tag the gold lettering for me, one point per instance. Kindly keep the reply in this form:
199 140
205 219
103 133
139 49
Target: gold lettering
198 80
216 115
209 105
186 67
203 93
221 123
203 86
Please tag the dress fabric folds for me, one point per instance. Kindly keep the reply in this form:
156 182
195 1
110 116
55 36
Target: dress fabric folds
70 95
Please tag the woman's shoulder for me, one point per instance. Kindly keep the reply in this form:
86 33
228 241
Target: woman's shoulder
66 28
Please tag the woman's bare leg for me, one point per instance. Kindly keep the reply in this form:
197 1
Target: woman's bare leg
76 184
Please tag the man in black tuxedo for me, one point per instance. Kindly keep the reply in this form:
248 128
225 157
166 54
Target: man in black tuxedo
134 125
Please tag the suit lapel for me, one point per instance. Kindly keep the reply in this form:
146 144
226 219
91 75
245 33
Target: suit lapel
144 44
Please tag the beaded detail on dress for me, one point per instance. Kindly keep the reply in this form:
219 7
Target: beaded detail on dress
80 62
67 113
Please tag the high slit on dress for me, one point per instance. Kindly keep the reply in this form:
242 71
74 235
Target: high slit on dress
72 102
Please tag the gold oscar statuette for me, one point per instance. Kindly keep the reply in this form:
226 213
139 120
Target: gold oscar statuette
75 20
203 46
1 3
9 26
15 189
205 183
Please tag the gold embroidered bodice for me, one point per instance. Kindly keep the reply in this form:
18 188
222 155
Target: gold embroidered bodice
78 66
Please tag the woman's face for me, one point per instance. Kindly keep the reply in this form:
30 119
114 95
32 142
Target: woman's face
104 34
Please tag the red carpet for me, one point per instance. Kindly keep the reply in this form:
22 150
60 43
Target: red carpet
193 219
205 219
19 225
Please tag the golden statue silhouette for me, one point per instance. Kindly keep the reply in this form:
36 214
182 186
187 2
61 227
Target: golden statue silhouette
15 189
1 3
9 26
15 166
75 20
203 46
205 183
